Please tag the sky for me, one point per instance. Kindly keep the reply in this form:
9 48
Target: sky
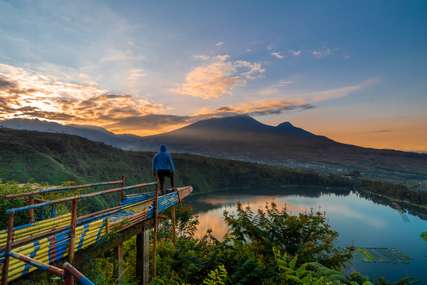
354 71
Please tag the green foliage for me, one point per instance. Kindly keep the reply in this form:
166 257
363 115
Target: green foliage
268 247
307 235
216 277
424 235
307 273
13 188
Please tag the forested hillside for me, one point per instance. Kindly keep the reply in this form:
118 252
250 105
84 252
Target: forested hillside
55 158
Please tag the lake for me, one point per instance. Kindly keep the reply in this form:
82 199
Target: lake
359 222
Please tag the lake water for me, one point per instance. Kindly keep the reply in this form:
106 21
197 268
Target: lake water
359 222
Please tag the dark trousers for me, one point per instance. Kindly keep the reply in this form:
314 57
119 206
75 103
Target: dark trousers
161 174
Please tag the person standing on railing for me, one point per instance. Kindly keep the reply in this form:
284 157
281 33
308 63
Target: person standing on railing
163 166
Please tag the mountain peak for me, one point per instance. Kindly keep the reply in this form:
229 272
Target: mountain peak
288 128
231 122
285 125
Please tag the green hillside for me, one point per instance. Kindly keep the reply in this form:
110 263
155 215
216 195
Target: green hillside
55 158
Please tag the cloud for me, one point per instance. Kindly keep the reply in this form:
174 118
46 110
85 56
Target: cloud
277 55
335 93
5 84
150 123
155 123
104 45
218 77
322 52
381 131
284 83
219 44
202 57
135 74
28 94
113 55
295 52
256 108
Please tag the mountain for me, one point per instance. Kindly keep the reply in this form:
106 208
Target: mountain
244 138
93 133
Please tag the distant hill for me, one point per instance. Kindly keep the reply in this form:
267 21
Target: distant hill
244 138
93 133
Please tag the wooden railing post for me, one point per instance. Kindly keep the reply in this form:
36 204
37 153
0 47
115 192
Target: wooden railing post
68 278
173 214
72 230
122 193
5 271
120 270
156 224
31 210
143 256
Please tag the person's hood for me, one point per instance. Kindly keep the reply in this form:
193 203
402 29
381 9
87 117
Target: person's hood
163 148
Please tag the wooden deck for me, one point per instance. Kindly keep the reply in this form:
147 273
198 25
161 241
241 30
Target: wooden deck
53 240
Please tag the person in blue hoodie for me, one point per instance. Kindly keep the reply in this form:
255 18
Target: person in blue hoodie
163 166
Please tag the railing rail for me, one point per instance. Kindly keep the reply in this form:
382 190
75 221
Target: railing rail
31 200
78 197
10 244
69 273
59 189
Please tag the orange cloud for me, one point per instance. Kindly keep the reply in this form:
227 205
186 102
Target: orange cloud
218 78
29 94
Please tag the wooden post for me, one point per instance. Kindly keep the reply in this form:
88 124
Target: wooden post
173 213
68 278
72 230
122 193
119 254
31 211
5 271
143 256
156 224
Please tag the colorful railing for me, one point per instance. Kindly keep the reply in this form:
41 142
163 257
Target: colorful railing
38 244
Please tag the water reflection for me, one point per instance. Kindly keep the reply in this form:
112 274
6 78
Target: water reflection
359 221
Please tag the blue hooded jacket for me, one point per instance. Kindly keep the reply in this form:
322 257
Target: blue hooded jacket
163 160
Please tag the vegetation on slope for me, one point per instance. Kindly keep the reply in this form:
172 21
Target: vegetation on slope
54 158
267 247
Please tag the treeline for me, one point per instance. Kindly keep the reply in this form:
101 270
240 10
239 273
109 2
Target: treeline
395 191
